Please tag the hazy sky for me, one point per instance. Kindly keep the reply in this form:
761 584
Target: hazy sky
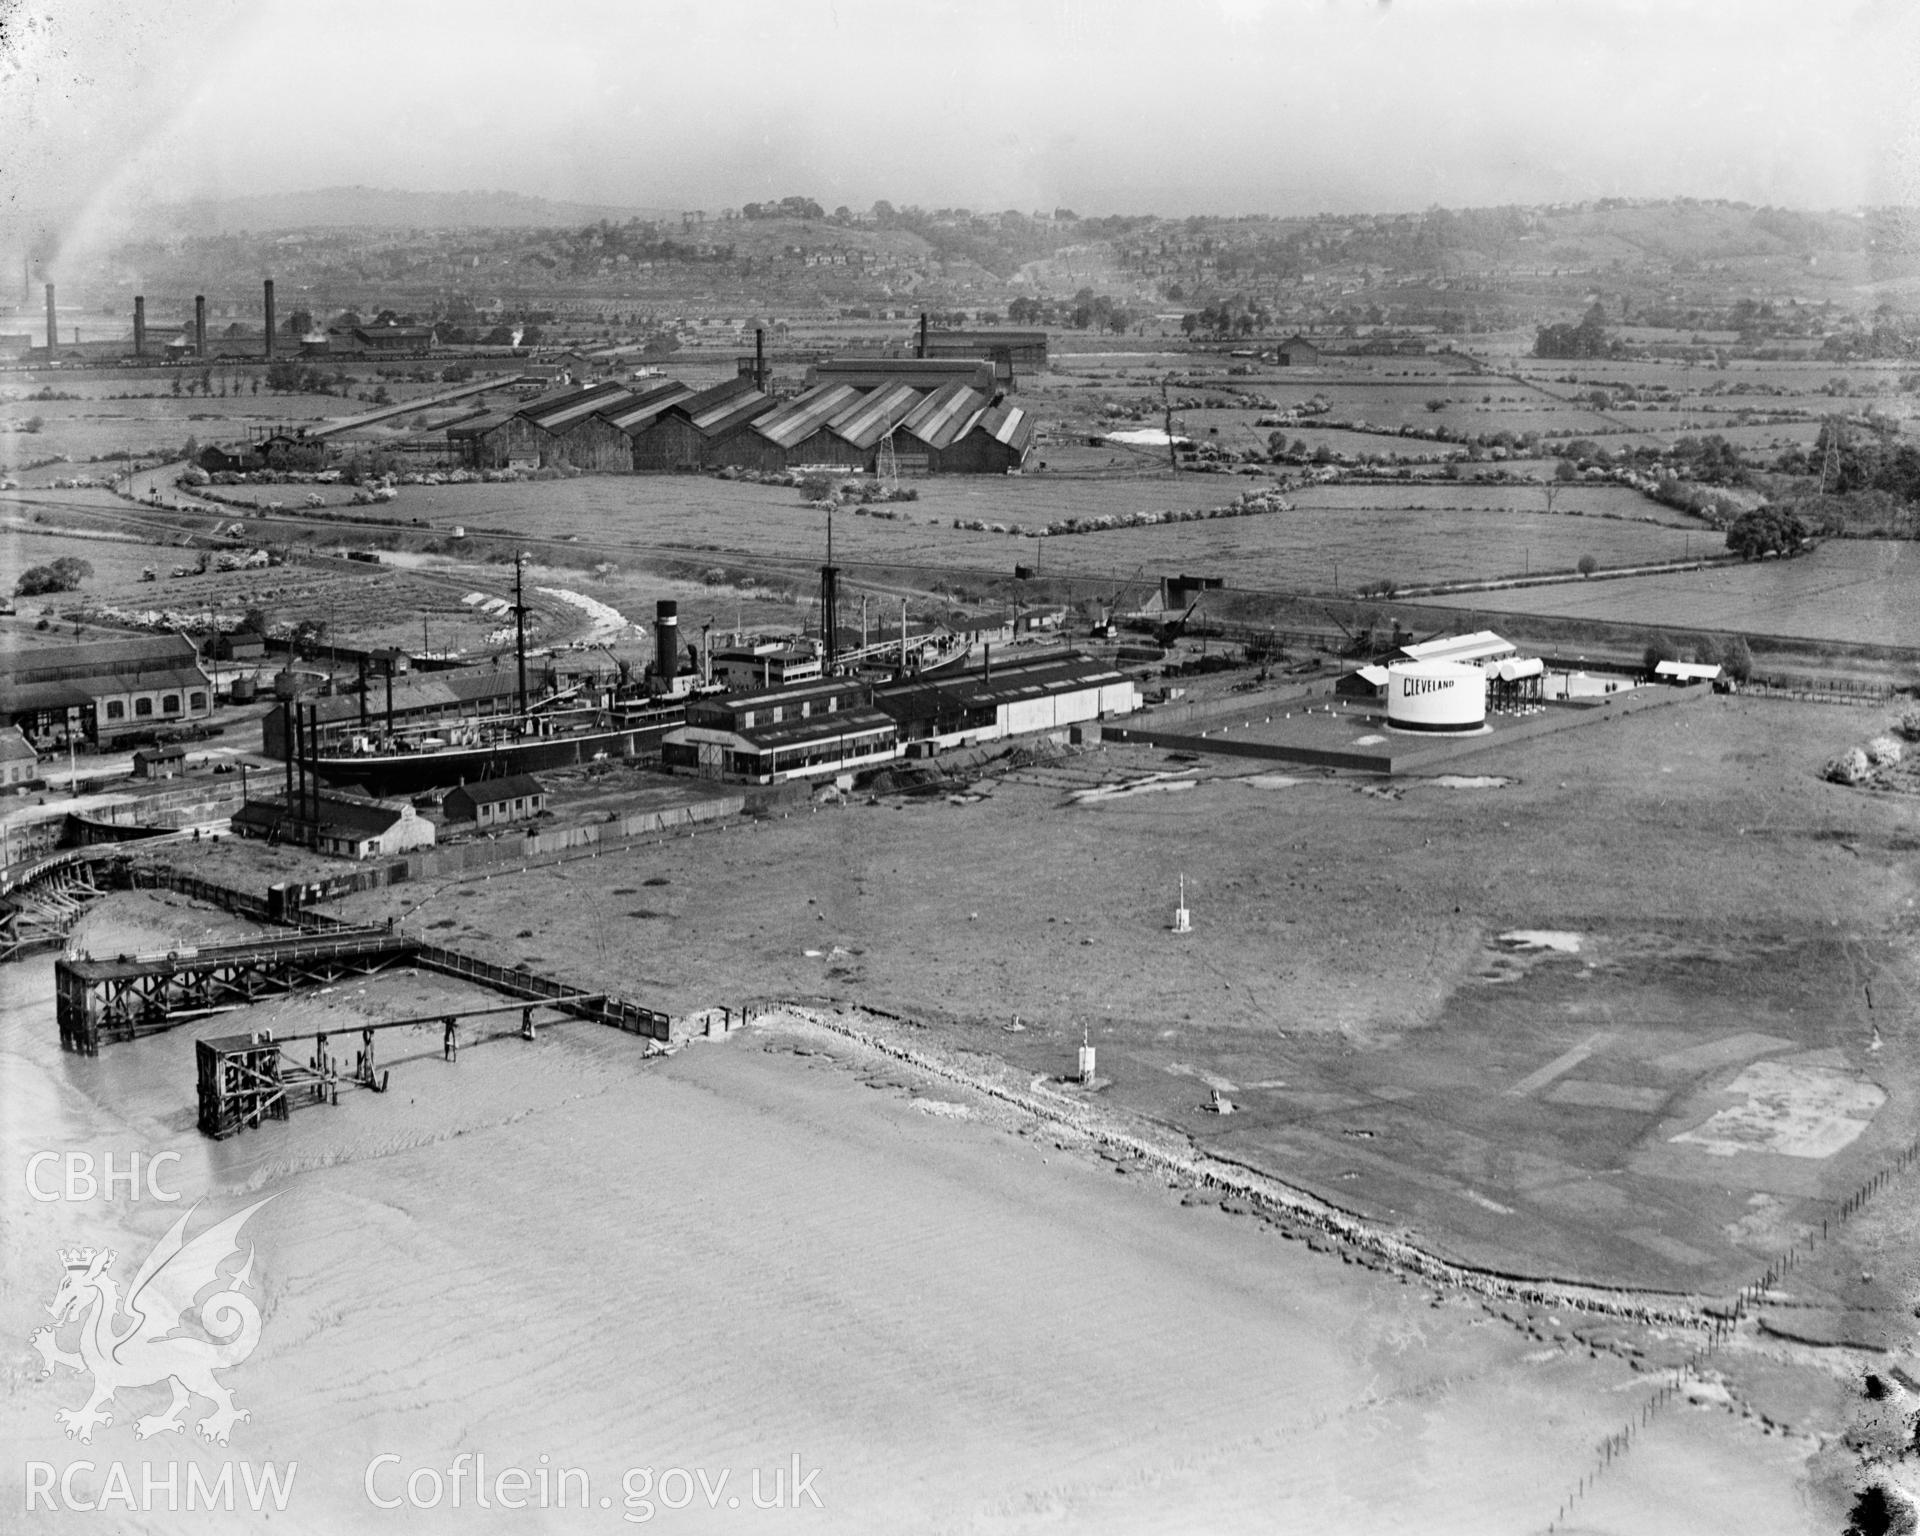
1172 106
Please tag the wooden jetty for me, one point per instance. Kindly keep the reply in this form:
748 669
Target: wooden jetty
105 1001
244 1079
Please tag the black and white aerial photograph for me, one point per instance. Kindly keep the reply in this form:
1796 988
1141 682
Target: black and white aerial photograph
960 767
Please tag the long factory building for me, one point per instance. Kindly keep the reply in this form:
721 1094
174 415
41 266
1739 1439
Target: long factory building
842 725
940 416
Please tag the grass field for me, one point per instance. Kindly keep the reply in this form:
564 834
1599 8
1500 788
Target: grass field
1347 984
1846 590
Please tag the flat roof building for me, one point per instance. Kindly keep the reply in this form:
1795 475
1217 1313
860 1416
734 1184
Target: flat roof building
813 731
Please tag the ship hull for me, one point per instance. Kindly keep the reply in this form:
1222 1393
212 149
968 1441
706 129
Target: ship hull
412 773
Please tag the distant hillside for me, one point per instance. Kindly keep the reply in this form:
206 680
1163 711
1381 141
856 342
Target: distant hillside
386 208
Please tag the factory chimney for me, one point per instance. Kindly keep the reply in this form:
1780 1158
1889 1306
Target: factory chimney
666 640
53 334
199 325
923 334
760 359
139 325
269 288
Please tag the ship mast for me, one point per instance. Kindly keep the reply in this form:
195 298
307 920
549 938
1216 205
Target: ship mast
520 632
829 603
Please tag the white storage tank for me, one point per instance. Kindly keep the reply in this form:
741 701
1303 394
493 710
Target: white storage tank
1436 696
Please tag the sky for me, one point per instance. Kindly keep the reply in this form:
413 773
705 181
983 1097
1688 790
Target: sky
1103 106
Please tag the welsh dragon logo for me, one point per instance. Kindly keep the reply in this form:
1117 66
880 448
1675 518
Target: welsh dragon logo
151 1347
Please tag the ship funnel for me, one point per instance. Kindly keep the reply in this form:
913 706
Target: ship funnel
666 639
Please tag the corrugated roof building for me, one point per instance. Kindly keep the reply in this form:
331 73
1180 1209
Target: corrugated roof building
794 433
995 441
686 433
603 439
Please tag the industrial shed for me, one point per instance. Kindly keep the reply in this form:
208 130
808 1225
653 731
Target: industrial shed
933 424
1013 699
686 432
603 439
535 433
995 441
792 433
1011 353
863 425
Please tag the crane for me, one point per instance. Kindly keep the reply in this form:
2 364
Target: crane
1104 627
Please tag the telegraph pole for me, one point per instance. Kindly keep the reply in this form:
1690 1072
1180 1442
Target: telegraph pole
1166 406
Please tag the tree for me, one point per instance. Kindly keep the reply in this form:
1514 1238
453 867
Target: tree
1565 470
1587 565
1735 657
61 575
1767 531
1662 647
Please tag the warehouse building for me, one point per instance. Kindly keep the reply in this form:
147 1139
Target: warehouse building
102 690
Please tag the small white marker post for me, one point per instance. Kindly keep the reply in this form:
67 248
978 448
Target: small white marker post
1182 918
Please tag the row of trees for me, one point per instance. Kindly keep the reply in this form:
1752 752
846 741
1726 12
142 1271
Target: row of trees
1235 316
1587 339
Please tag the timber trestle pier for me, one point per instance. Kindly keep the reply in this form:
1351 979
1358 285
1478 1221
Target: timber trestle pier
244 1079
